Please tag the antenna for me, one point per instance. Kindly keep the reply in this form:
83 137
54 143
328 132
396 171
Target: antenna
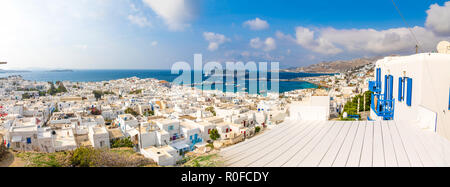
406 23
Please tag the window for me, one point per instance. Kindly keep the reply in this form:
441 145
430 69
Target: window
209 131
170 128
409 91
400 89
378 76
28 140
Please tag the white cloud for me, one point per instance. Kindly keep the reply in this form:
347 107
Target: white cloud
305 38
215 40
141 21
154 43
176 13
268 45
256 43
331 41
256 24
438 19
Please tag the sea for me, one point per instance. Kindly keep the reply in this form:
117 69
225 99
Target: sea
106 75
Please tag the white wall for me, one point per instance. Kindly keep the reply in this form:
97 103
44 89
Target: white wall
430 93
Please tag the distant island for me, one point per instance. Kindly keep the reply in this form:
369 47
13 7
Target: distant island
339 66
13 71
61 70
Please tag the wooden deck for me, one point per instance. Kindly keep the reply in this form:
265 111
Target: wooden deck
341 144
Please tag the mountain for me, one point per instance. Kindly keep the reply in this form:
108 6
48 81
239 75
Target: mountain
334 66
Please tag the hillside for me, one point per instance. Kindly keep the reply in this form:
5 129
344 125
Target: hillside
334 66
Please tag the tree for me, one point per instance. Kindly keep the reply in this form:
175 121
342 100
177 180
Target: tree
53 90
149 113
257 129
26 96
95 111
98 94
214 134
211 109
131 111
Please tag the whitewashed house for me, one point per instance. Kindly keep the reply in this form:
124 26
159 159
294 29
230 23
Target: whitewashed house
415 87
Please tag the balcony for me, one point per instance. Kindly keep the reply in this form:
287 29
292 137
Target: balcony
383 107
375 86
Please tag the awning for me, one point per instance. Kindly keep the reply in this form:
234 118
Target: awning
132 132
180 145
16 139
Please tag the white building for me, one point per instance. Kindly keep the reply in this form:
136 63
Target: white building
314 108
99 137
416 88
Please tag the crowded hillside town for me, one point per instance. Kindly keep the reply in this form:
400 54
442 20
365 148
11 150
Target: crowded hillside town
164 121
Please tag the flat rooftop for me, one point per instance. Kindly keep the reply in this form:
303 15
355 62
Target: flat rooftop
341 144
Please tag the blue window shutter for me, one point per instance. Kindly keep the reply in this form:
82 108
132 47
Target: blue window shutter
409 92
378 75
385 87
28 140
400 89
391 87
449 99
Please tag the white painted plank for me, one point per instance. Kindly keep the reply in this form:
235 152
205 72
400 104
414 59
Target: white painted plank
285 157
275 154
414 148
261 141
263 151
378 147
356 150
430 146
366 154
301 154
314 157
389 152
328 159
236 149
400 152
342 157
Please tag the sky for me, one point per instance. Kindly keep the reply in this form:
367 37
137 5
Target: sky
154 34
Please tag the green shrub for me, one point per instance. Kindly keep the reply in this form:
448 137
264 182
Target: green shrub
211 109
257 129
122 143
84 157
214 134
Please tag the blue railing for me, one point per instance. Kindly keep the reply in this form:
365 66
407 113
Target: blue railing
195 141
354 117
383 107
375 86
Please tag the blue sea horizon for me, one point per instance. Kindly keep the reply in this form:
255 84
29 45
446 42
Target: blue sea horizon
106 75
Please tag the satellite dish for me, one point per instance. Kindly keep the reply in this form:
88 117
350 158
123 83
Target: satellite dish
443 47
